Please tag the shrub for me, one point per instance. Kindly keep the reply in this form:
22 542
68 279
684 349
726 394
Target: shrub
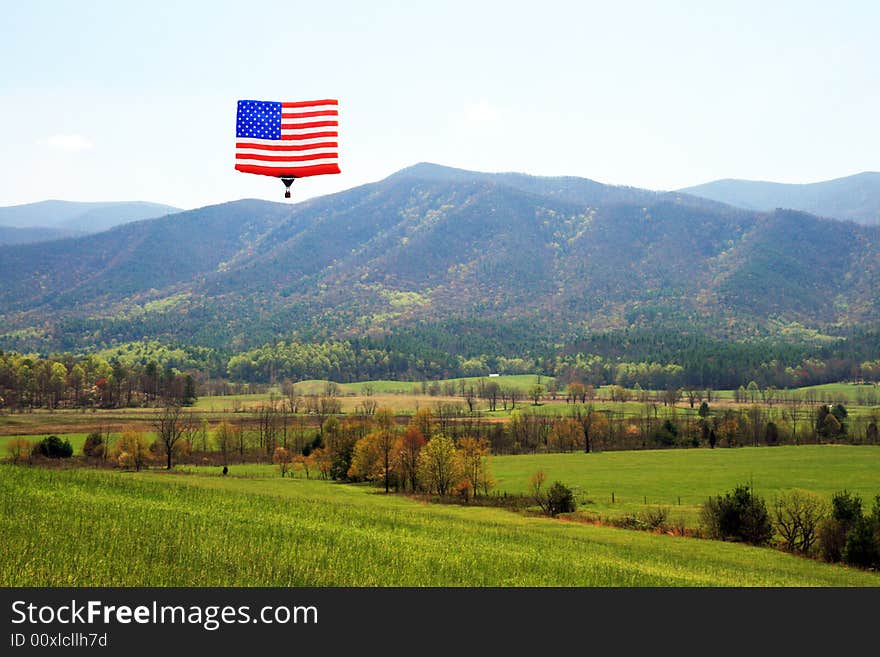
53 448
628 521
771 433
94 446
832 539
737 516
848 535
463 490
861 548
666 434
560 499
846 508
655 518
19 449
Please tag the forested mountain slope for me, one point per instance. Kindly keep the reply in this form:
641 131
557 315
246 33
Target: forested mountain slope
431 245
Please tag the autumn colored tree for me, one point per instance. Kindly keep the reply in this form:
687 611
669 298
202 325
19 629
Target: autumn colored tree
341 447
323 461
406 455
366 458
131 450
599 425
566 435
372 458
385 442
439 465
474 457
729 431
304 463
282 458
575 392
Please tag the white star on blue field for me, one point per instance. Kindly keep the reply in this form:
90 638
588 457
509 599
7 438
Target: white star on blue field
258 119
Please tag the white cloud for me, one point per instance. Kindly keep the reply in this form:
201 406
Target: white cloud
69 143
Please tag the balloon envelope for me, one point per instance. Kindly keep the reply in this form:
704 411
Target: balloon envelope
287 139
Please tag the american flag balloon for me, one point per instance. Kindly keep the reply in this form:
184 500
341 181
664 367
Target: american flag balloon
287 140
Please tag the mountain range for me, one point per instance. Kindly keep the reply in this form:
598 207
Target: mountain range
432 244
854 198
45 220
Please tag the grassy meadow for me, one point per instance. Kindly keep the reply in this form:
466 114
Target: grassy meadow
682 479
105 528
193 527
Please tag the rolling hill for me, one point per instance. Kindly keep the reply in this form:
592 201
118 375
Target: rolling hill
431 244
72 217
854 198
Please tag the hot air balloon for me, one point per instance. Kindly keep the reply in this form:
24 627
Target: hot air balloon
287 140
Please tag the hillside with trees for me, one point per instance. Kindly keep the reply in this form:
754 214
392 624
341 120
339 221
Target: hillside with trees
434 269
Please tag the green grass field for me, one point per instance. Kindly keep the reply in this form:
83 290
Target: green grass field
404 396
522 382
103 528
661 477
76 441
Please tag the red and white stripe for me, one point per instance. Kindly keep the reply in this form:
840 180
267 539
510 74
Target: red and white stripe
308 145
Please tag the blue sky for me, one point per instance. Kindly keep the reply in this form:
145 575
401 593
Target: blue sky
126 101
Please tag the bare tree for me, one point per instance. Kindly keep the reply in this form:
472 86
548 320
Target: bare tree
584 417
267 423
672 396
170 425
797 515
490 392
367 406
192 428
470 396
294 399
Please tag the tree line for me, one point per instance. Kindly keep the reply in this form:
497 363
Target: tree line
652 362
67 381
659 358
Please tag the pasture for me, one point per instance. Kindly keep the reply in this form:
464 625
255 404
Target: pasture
682 479
83 527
